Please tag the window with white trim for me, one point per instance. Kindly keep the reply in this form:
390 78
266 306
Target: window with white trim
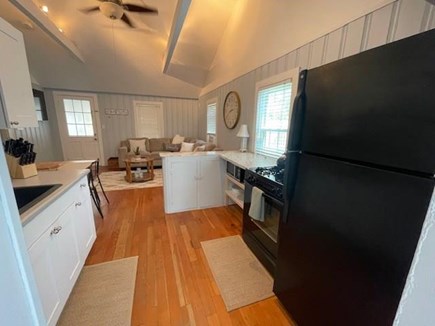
211 121
274 101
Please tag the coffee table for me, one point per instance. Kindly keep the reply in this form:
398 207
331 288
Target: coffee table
133 176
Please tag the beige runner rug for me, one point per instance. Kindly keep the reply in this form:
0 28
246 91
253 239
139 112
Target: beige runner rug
103 295
241 278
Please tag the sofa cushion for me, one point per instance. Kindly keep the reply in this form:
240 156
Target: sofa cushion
186 147
157 144
199 148
172 147
189 140
135 143
177 139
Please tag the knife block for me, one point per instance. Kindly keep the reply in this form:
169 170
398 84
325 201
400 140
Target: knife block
17 171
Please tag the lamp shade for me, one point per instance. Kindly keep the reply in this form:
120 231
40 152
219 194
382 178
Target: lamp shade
243 131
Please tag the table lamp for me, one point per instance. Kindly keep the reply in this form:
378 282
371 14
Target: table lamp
243 133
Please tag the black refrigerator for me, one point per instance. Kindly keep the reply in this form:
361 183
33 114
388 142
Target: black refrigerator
358 181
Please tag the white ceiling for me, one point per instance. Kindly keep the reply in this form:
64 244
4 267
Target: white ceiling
218 41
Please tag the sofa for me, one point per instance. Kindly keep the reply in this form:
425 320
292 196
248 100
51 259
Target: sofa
152 147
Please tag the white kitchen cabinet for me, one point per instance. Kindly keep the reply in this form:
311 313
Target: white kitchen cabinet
84 225
192 182
59 240
43 265
18 106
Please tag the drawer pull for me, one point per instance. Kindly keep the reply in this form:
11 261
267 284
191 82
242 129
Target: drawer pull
82 185
56 230
78 204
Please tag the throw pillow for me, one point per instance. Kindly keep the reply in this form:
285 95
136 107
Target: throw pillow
135 143
172 147
186 147
177 139
199 148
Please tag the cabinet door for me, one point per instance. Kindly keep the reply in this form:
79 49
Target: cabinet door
15 84
182 194
67 258
43 265
84 227
210 183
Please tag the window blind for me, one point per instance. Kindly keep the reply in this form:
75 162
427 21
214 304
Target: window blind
273 109
148 120
211 118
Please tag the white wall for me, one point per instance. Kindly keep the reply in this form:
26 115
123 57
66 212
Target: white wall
260 31
392 22
46 136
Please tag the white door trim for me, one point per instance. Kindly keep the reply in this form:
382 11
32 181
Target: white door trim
58 95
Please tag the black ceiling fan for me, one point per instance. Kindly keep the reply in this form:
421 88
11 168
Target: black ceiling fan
115 9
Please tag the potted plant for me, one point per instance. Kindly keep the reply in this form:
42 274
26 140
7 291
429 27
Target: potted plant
137 152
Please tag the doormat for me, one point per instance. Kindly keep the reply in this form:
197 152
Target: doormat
114 180
240 277
103 295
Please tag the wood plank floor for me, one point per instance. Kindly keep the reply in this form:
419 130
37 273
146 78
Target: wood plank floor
174 285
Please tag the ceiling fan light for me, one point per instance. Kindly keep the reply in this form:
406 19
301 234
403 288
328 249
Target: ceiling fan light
111 10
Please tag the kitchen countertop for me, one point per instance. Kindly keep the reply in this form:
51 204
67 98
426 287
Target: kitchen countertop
67 175
187 154
247 160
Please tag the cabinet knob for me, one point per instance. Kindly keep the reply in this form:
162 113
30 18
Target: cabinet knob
78 204
82 185
56 230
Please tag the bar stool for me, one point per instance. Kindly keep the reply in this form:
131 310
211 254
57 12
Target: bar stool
93 179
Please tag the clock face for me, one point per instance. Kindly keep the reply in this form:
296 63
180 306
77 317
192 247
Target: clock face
231 110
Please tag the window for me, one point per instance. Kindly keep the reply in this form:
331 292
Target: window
211 121
148 117
40 107
274 99
78 117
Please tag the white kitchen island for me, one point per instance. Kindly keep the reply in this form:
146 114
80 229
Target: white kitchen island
194 180
59 232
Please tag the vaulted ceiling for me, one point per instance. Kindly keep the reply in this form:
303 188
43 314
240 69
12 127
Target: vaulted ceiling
173 53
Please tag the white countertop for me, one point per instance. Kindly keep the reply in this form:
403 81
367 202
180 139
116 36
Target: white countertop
187 154
247 160
67 175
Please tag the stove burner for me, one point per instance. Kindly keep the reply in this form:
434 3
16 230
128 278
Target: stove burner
268 172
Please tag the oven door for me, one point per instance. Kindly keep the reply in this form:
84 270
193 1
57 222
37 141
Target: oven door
265 233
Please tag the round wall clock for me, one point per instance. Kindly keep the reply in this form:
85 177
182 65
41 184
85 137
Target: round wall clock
231 109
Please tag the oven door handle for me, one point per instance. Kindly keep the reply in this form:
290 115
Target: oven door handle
275 201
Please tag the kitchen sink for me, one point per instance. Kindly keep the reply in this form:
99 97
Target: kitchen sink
26 197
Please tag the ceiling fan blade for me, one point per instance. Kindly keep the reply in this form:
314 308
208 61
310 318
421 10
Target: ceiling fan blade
90 10
136 8
126 20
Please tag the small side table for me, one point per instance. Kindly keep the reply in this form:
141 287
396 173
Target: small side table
133 177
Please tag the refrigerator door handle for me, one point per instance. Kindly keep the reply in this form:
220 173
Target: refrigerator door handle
290 175
298 114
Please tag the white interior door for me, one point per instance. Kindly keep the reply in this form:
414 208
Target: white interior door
79 126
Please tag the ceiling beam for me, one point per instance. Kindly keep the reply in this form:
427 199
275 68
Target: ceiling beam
31 10
178 22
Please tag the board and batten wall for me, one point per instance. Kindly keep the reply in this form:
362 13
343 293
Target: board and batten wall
46 136
393 22
180 117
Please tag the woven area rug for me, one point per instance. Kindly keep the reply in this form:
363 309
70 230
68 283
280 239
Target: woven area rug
103 295
240 277
114 180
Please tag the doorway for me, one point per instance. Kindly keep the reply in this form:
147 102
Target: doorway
79 126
